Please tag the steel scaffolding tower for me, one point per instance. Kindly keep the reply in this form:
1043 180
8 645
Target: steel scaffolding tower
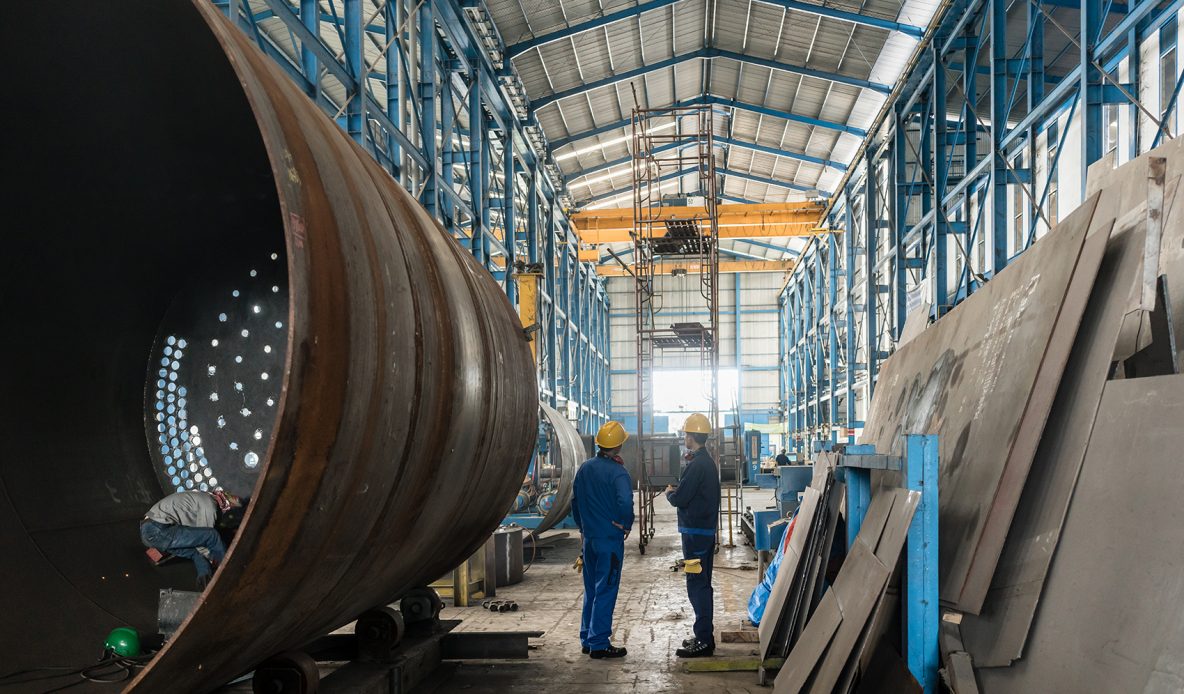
659 240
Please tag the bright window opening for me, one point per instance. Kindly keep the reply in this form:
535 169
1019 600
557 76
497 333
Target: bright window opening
679 392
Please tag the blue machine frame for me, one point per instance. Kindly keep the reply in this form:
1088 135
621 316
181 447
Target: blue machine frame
946 190
412 73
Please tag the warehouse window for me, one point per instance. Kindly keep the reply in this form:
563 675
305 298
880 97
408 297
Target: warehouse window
1110 118
1167 73
1050 207
679 392
980 249
1018 202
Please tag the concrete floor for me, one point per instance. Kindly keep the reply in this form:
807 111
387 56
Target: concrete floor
652 618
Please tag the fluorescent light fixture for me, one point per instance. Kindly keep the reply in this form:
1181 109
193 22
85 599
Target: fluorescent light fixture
614 141
629 193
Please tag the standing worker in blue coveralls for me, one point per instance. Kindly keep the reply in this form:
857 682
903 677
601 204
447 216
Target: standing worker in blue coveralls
602 506
697 499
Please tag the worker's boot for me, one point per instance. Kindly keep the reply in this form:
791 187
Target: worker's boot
610 652
698 649
687 643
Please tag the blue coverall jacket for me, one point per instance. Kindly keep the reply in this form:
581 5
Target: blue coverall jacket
603 495
697 495
697 501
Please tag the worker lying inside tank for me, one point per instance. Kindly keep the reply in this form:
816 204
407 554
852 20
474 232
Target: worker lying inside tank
189 524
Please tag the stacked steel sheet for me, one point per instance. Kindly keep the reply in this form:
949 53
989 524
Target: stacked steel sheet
1056 391
796 591
1086 595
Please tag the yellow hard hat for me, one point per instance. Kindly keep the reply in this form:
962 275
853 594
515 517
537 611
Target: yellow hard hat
697 424
611 435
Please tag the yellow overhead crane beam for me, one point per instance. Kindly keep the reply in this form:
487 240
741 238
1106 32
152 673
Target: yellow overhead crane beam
695 268
735 221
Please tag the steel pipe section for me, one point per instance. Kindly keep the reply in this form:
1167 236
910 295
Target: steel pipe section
565 440
183 224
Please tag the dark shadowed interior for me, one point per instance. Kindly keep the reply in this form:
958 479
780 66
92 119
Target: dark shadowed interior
138 197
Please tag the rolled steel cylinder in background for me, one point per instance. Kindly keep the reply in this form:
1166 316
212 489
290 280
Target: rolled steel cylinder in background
195 257
566 456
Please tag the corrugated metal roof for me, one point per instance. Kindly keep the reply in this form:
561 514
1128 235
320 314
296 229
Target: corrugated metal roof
678 31
762 29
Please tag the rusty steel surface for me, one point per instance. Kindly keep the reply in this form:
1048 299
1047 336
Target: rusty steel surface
165 149
983 378
1109 619
571 455
997 635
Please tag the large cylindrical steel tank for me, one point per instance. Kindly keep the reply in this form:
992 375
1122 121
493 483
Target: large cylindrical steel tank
206 283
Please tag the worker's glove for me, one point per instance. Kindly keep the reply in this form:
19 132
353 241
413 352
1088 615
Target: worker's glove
579 565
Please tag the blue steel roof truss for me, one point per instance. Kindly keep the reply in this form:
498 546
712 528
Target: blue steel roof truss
970 183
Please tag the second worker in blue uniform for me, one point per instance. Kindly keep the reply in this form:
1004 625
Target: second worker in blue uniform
697 499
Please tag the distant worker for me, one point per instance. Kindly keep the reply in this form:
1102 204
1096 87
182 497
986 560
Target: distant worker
183 524
697 499
782 459
602 506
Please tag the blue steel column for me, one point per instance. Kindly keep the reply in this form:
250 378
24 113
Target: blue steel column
970 151
476 179
427 100
587 384
850 346
999 112
564 291
1091 86
832 361
871 288
392 20
782 360
1132 52
355 111
921 608
532 217
941 226
899 201
795 366
739 349
801 323
577 371
816 356
509 223
310 16
447 154
487 185
548 260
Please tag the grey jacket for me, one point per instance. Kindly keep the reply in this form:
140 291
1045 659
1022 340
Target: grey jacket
194 509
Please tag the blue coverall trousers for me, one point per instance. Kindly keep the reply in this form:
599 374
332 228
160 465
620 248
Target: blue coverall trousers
602 578
184 541
701 547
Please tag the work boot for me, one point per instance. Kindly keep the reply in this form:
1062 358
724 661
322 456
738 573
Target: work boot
585 650
610 652
698 649
687 643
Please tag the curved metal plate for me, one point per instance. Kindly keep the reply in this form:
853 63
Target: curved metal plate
406 406
571 449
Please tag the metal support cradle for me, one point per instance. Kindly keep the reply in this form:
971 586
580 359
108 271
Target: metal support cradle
919 472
